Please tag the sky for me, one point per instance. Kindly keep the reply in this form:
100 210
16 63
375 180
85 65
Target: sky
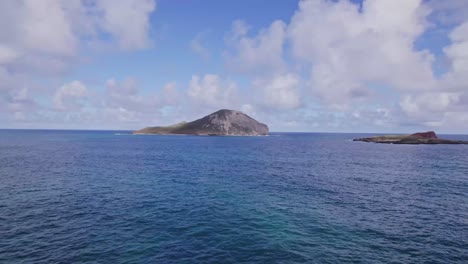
308 66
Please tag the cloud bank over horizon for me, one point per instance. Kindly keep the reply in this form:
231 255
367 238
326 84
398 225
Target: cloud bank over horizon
344 66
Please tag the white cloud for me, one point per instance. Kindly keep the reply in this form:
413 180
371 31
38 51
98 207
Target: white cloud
45 37
375 45
45 27
41 40
7 54
457 53
126 95
19 100
170 94
32 35
449 97
127 87
248 109
127 21
212 91
258 54
121 104
377 117
70 95
359 62
428 104
280 91
333 64
198 48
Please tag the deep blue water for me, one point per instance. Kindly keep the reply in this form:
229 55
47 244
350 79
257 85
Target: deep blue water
102 197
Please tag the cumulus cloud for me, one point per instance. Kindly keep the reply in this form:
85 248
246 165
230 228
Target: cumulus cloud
54 27
34 35
429 105
376 117
375 45
263 52
350 55
333 63
127 87
43 27
457 53
448 99
280 91
261 56
121 102
127 97
45 37
69 96
170 94
127 21
212 91
7 54
198 48
40 41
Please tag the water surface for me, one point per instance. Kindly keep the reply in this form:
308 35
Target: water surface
110 197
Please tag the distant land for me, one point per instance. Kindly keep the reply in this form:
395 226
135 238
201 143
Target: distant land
429 137
220 123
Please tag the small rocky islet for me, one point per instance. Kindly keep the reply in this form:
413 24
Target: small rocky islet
220 123
429 137
227 122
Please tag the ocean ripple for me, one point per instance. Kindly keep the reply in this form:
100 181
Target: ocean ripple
99 197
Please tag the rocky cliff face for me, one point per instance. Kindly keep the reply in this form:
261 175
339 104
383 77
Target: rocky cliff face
422 135
221 123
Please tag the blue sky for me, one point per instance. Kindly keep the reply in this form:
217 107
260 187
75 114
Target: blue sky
174 25
312 65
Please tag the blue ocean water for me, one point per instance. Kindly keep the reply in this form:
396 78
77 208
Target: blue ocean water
110 197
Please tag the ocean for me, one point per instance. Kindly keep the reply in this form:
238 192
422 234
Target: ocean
112 197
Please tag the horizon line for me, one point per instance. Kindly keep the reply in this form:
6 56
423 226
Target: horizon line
298 132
